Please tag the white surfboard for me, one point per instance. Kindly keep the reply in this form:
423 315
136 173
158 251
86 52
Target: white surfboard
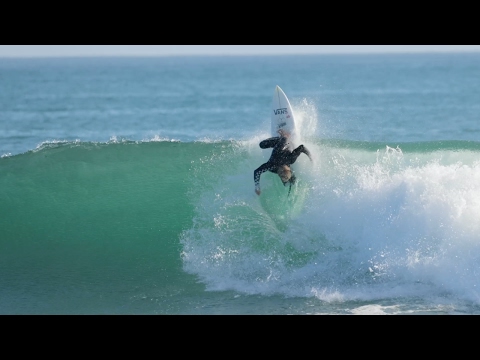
282 115
283 118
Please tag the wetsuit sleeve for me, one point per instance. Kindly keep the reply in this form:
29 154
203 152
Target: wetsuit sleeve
306 152
258 172
295 153
269 143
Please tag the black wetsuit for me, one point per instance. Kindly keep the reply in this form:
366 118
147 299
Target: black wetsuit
281 155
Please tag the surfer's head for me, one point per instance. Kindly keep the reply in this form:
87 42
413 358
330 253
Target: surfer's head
285 173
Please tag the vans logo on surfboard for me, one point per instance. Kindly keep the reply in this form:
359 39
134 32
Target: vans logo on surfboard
280 111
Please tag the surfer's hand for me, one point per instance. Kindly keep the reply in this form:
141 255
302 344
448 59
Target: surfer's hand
257 190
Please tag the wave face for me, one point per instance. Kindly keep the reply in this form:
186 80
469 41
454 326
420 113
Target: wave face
156 227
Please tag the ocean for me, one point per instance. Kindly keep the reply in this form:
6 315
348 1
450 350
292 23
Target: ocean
126 186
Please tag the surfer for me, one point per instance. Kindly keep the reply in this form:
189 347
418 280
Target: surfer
280 159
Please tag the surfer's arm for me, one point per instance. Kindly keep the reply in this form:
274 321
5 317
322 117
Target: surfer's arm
269 143
256 176
298 150
306 152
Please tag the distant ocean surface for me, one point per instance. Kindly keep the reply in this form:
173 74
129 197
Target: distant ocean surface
126 186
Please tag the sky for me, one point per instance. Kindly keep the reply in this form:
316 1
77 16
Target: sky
230 50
